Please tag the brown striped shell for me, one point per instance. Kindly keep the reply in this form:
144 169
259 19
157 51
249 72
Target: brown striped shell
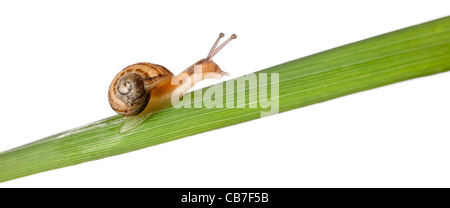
130 90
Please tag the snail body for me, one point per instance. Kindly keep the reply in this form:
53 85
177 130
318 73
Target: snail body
143 89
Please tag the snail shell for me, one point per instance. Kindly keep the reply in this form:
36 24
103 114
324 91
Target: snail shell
130 89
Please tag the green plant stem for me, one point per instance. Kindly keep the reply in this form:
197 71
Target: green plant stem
393 57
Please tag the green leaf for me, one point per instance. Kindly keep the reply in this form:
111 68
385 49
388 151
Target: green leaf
393 57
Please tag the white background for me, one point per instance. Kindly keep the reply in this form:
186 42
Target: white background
57 60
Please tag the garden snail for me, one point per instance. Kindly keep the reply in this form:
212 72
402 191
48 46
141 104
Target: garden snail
142 89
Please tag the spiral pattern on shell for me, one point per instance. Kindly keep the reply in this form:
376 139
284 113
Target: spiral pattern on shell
130 91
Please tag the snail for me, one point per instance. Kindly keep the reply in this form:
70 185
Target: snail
143 89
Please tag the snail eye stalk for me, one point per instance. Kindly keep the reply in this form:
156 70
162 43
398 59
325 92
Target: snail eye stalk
215 50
